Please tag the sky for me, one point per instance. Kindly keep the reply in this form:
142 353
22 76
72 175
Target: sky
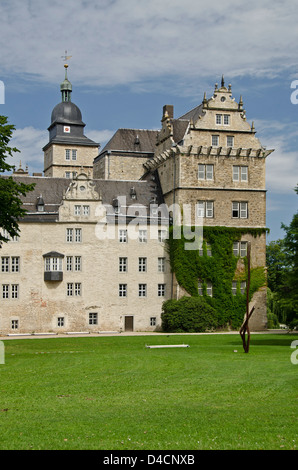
131 57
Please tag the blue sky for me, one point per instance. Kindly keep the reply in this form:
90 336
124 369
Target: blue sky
131 57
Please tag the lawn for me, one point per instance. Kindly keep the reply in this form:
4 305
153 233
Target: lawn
114 393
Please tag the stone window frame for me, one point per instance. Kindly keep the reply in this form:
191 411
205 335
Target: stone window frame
122 290
204 172
123 264
204 211
240 173
161 290
142 264
93 318
142 290
241 211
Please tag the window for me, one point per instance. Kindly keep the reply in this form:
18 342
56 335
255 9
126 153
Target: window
230 141
240 249
77 210
161 288
142 265
77 289
53 264
78 235
74 289
243 287
162 235
205 172
78 263
93 318
67 154
86 211
6 235
73 154
123 236
69 289
218 119
69 263
161 265
67 174
122 290
60 321
69 234
205 209
5 264
239 210
200 288
222 119
209 289
15 264
152 321
240 173
234 287
215 140
143 236
14 324
122 265
5 291
142 290
226 119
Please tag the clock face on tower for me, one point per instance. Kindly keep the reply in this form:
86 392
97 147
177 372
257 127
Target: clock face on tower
66 129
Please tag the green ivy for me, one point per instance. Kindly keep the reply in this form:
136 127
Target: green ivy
220 269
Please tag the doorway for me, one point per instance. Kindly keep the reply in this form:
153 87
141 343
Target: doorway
128 323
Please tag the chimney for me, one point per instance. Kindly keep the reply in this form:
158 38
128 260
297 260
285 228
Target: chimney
169 109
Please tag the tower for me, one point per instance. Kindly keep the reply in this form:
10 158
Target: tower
68 151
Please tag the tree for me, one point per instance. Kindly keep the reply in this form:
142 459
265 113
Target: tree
11 210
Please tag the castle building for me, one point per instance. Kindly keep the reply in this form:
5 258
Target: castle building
92 253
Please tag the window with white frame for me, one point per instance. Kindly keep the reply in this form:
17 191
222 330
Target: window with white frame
10 291
123 236
15 264
53 263
69 235
122 290
161 265
222 119
142 236
243 287
77 210
161 290
5 291
234 287
239 210
68 174
200 288
205 172
67 154
240 173
162 235
209 289
74 154
226 119
78 263
78 235
240 249
205 209
230 141
142 290
218 118
122 265
6 235
86 211
69 263
74 289
215 140
142 265
5 264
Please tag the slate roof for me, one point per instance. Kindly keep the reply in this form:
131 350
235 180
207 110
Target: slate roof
132 140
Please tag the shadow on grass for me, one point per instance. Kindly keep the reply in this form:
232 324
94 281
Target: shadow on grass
277 340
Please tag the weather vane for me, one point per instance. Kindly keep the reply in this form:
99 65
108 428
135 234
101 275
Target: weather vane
66 57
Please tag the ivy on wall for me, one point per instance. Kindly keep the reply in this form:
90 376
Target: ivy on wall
220 268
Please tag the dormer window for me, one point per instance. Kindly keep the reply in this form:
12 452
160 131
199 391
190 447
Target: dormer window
40 204
53 266
133 193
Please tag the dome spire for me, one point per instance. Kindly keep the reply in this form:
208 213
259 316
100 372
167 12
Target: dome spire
66 87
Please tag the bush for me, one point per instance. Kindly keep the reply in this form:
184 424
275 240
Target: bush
188 314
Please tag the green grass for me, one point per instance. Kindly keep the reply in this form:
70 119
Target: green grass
114 393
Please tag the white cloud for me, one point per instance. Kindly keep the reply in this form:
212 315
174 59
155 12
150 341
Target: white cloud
128 41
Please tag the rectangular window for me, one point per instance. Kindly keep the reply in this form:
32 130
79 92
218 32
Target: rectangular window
161 289
93 318
122 290
152 321
60 321
53 264
5 264
240 173
14 291
5 291
15 264
215 140
206 172
122 265
69 263
69 235
218 118
78 235
142 290
243 287
67 154
74 154
162 235
230 141
142 265
226 119
68 174
14 324
86 211
234 287
200 288
209 289
123 236
161 265
239 210
69 289
77 210
77 289
205 209
143 236
78 263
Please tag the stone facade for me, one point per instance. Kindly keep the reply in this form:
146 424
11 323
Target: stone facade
71 269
